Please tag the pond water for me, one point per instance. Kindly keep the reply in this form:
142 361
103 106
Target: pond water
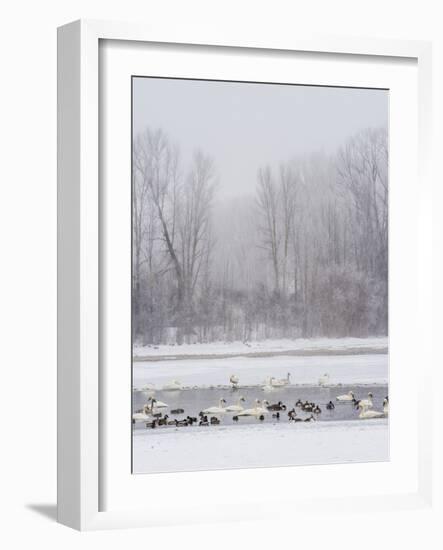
193 400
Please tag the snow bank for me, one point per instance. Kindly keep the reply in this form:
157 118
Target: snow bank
346 369
284 444
267 346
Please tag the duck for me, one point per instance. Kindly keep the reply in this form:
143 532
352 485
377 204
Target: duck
216 410
347 397
192 418
330 406
172 386
299 403
367 403
276 415
316 410
183 422
152 424
177 411
233 379
261 417
238 407
235 418
214 420
203 423
368 413
323 380
163 421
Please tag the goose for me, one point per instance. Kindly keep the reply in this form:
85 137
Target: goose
316 410
280 382
346 397
261 418
323 380
235 418
234 381
277 407
172 386
299 403
330 406
214 420
310 419
292 414
238 407
367 403
367 413
216 410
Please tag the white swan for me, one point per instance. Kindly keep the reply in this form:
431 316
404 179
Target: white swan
268 387
147 389
155 404
216 410
172 386
234 380
255 411
238 407
346 397
366 403
140 417
386 406
367 413
143 415
323 380
280 382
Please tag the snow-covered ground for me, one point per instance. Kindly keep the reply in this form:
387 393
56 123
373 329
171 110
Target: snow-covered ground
342 369
312 345
283 444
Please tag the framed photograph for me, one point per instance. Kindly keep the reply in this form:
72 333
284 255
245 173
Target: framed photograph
238 234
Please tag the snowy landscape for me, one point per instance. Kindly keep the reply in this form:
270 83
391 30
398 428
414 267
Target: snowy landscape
259 275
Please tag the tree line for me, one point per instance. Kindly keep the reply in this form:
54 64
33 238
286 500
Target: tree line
306 255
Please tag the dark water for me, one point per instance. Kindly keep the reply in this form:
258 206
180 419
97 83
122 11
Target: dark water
195 400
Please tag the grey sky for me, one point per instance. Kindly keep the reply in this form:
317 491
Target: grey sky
244 126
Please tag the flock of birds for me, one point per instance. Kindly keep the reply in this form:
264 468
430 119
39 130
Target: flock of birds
152 413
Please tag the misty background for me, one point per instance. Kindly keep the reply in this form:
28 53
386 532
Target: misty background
259 211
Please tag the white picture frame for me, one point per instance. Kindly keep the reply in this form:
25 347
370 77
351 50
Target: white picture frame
80 391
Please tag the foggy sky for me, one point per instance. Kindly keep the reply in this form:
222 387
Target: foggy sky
244 126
